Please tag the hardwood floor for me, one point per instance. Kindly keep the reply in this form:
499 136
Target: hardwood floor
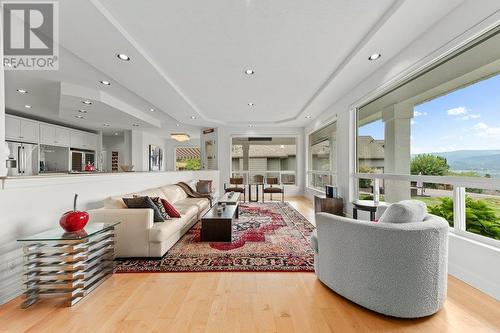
239 302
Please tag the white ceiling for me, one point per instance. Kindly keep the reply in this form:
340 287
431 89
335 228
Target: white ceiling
188 59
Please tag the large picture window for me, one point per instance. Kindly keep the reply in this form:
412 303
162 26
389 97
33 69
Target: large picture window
437 139
256 157
322 165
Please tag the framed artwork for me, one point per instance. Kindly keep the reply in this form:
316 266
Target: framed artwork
155 158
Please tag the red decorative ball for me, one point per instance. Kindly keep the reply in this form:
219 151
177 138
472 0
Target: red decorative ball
74 220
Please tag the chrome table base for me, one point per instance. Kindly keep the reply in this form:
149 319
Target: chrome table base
69 269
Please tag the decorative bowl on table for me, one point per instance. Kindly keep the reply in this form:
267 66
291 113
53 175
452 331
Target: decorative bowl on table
126 167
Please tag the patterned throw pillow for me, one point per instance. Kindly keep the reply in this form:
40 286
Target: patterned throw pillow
144 202
170 209
161 208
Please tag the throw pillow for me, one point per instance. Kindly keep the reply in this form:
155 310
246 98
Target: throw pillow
404 212
144 202
161 208
204 186
170 209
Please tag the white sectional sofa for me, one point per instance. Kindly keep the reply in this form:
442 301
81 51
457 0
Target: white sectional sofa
137 235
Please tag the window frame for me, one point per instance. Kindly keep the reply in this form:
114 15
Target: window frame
308 156
296 137
459 183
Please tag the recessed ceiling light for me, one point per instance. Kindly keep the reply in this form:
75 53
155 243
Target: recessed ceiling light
135 125
116 133
251 104
87 102
82 111
106 125
123 57
177 125
193 117
27 106
374 56
282 146
308 117
249 72
106 83
22 91
79 117
151 109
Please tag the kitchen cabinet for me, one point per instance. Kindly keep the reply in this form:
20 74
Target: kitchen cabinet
76 139
47 134
26 130
12 128
62 136
83 140
21 129
90 141
54 135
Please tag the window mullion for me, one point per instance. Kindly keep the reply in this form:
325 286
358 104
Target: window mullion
459 208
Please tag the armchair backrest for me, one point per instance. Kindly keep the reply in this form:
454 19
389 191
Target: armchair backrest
236 181
272 181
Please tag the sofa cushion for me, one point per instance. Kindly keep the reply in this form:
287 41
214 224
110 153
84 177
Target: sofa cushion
173 193
188 211
114 203
404 212
192 183
144 202
200 203
152 193
160 232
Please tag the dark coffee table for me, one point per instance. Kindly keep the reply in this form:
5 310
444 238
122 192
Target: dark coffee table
218 228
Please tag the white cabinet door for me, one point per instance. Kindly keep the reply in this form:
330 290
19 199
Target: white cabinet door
47 134
12 128
76 139
91 141
30 131
62 137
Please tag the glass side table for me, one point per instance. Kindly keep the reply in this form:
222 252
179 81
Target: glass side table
67 264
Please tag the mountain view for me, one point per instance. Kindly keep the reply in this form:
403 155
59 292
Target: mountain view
480 161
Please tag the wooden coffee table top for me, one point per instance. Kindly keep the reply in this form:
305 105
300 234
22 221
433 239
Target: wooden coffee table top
230 197
227 213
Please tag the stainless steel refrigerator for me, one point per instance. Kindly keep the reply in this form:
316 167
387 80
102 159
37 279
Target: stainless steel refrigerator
22 159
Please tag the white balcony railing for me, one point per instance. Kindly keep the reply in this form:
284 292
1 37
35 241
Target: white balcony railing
286 177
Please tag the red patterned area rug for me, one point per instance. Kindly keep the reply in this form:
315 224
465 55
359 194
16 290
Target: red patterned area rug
266 237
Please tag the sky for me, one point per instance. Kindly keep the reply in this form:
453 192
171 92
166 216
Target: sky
465 119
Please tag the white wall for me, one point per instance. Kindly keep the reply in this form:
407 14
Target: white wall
469 261
224 151
140 150
111 143
31 205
